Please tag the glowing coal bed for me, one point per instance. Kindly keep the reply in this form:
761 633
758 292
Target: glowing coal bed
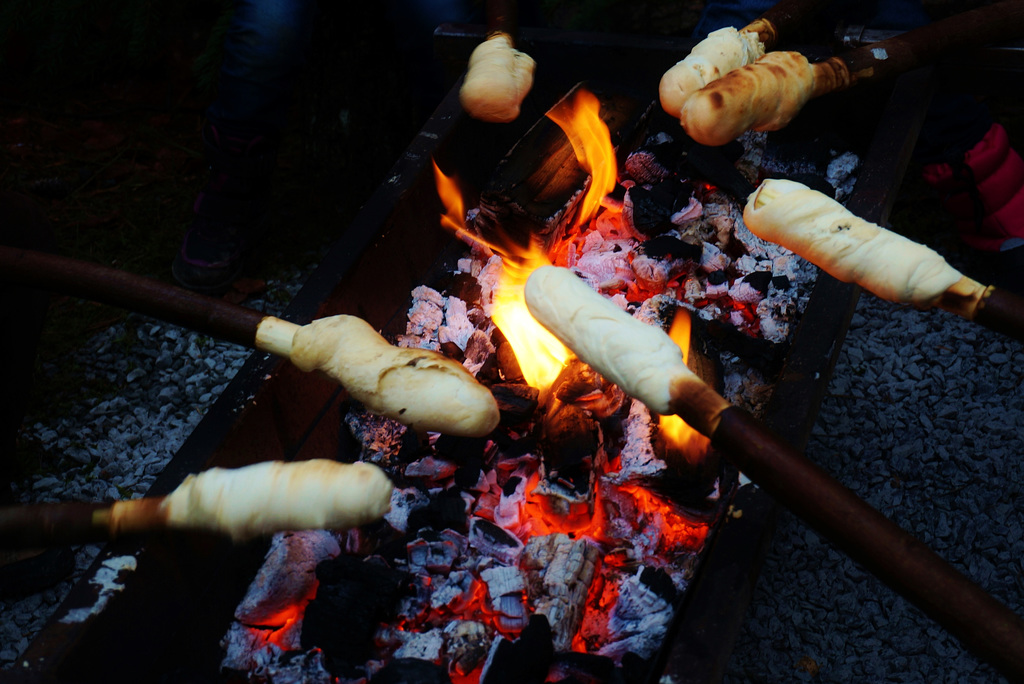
559 547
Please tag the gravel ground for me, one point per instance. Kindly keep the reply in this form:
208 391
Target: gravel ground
921 421
114 447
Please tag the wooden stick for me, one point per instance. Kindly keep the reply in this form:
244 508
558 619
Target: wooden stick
640 358
782 19
957 34
887 264
417 387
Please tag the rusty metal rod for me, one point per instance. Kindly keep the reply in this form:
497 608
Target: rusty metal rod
780 20
960 33
1003 312
982 623
63 275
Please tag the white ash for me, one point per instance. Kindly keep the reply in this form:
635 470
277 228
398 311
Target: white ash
467 643
638 621
426 316
421 645
457 327
841 174
404 502
287 575
113 445
637 458
451 588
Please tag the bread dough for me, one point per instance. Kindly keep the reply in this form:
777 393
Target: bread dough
640 358
274 496
418 387
763 96
847 247
498 78
710 59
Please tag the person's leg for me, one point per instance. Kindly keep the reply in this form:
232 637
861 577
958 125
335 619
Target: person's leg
264 50
24 311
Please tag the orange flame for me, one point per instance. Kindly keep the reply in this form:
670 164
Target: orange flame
591 141
541 356
680 436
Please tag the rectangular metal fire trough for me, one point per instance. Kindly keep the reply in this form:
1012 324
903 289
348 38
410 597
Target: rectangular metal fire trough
164 625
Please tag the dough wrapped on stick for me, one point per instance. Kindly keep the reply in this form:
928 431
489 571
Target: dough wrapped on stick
727 49
721 52
847 247
884 263
640 358
417 387
242 503
498 79
763 96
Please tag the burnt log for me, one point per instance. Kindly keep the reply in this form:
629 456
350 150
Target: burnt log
535 189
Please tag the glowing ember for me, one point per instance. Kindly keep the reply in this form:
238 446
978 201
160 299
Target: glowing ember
590 139
681 437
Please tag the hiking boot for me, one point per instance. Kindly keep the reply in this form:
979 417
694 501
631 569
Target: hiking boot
229 211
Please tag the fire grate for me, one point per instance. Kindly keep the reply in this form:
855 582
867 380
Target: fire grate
165 620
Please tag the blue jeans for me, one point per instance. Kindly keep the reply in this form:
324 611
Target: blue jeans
265 47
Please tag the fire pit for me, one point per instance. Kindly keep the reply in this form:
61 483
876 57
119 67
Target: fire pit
168 614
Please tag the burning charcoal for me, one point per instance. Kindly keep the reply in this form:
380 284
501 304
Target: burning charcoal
517 402
403 502
456 327
410 671
460 449
718 278
467 644
502 580
447 510
780 282
453 590
648 212
479 350
513 496
690 211
653 161
462 284
638 621
300 668
718 166
585 388
468 476
426 315
669 246
354 597
287 576
712 259
431 469
560 572
746 291
508 364
759 280
430 553
493 541
523 661
421 645
379 438
636 457
513 615
247 649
